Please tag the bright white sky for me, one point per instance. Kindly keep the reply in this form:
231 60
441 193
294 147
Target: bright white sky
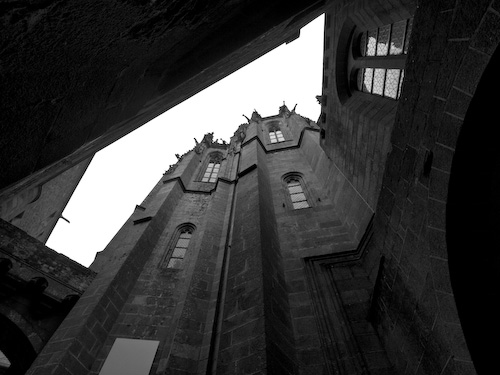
121 175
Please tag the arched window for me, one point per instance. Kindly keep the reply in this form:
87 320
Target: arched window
213 167
276 136
211 172
296 191
381 58
179 245
275 133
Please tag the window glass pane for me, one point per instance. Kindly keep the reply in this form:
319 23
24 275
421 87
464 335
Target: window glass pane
210 165
392 83
213 179
298 197
299 205
185 235
295 189
368 80
383 40
175 263
362 44
408 34
182 242
293 183
178 253
281 138
204 179
398 37
378 81
371 43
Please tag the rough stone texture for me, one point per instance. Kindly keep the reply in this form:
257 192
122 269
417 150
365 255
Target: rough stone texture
29 315
31 258
357 125
77 75
239 298
418 319
37 210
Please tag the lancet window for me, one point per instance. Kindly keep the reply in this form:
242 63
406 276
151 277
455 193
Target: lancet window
179 246
212 167
296 192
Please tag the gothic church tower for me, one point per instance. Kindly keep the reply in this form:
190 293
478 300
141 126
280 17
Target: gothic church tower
221 268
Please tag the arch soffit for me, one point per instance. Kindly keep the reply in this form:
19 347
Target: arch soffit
472 216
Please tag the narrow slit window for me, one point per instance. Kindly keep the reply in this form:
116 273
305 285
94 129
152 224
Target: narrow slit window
211 172
179 252
297 195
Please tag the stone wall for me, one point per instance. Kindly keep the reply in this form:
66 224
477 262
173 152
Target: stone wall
416 309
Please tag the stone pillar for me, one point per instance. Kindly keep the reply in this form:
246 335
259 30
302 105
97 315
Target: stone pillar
256 332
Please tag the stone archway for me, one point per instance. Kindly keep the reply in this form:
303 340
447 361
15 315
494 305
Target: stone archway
16 347
473 221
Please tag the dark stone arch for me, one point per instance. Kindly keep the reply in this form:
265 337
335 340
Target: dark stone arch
342 54
473 222
16 347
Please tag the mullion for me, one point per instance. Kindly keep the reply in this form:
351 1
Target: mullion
373 78
389 40
398 92
383 82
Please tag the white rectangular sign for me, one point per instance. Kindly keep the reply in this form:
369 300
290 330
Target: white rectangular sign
130 357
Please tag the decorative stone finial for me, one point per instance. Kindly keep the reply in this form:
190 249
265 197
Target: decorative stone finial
284 111
255 116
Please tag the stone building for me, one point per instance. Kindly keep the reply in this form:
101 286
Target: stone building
363 244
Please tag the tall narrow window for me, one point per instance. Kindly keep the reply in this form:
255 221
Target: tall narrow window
211 172
276 136
296 192
180 247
